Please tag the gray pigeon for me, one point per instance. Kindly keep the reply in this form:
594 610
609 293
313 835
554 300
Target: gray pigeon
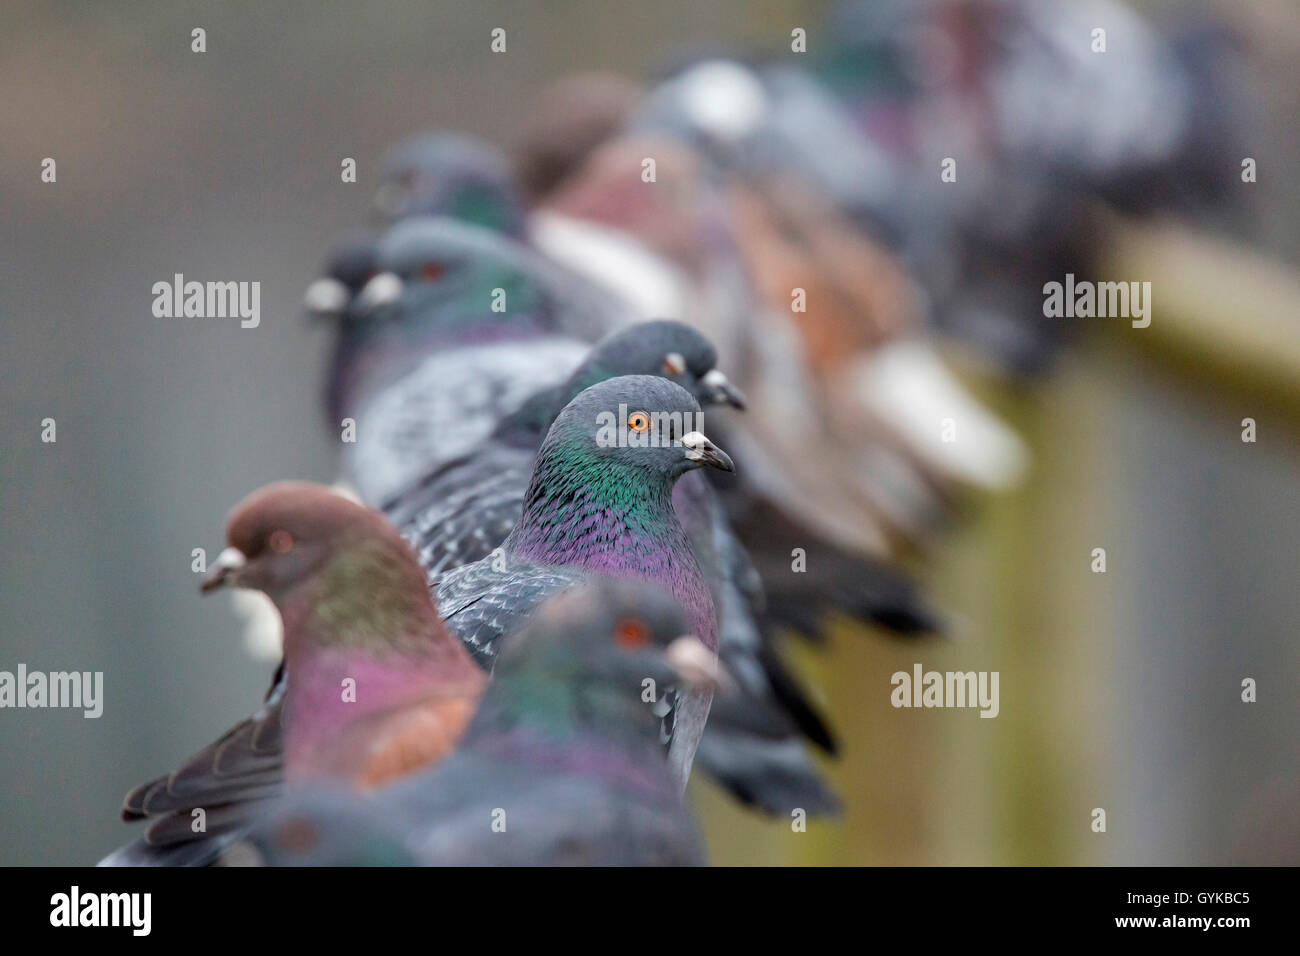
465 510
599 501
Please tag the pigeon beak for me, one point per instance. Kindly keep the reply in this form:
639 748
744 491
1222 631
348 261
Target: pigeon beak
697 666
326 298
721 391
700 449
228 562
383 289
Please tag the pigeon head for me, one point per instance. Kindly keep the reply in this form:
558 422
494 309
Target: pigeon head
430 282
356 608
627 436
435 272
663 347
298 538
440 283
447 174
601 494
616 631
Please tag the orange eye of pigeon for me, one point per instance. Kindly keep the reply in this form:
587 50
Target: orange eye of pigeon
431 271
281 542
631 633
638 421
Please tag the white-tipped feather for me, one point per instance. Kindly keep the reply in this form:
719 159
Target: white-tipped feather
907 385
615 260
723 99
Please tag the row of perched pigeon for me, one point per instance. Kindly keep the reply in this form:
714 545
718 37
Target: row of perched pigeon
478 434
546 508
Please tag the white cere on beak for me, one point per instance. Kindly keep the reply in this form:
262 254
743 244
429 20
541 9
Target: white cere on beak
696 664
714 378
231 559
694 443
326 295
674 363
382 289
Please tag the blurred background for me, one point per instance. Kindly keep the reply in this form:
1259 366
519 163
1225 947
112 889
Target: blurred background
1119 690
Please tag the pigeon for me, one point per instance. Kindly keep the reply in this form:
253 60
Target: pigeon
600 502
562 764
464 511
379 687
